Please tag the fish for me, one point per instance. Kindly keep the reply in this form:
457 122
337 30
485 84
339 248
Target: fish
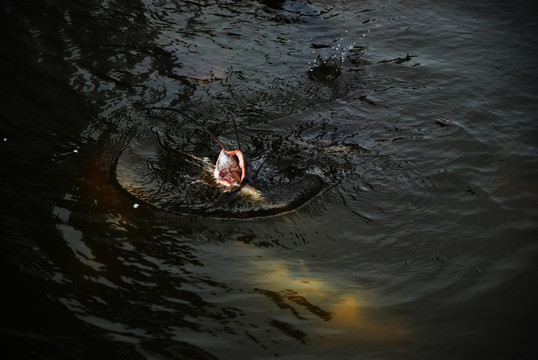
230 170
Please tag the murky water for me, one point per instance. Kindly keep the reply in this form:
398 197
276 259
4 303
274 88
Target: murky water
397 216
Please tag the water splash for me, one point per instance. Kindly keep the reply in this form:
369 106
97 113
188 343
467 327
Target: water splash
330 68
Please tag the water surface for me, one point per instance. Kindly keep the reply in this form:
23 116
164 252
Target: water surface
416 170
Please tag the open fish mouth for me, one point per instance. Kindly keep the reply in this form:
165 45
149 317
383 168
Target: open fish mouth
157 177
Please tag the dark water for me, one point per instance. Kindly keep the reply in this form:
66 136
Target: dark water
416 231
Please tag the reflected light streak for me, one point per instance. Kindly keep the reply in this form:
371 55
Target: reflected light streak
324 308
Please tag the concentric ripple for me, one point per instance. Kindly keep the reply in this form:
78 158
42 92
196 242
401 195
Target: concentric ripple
156 175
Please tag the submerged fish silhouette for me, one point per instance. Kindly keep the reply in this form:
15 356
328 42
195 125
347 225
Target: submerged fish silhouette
144 166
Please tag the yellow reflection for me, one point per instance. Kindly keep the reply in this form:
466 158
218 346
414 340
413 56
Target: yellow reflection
347 312
322 308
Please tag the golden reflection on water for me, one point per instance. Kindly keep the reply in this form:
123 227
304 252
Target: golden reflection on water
323 309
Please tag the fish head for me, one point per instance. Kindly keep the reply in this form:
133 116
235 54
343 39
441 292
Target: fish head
230 169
